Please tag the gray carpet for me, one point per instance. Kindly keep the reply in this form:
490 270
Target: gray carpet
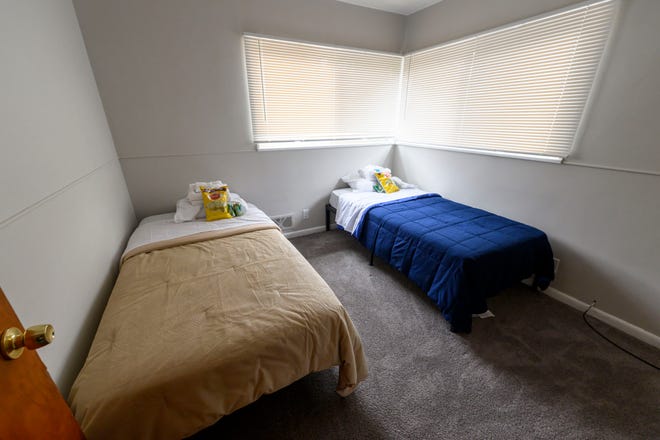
534 371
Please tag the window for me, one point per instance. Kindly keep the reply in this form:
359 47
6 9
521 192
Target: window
519 90
304 95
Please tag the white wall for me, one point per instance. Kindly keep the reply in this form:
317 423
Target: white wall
603 224
65 211
171 75
278 182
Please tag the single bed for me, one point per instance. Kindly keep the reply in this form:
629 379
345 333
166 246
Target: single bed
458 255
204 318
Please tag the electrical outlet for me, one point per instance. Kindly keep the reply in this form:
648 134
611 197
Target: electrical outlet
305 213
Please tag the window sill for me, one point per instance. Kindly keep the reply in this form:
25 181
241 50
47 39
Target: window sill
313 145
536 157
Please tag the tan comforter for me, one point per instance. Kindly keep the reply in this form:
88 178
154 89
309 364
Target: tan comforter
194 332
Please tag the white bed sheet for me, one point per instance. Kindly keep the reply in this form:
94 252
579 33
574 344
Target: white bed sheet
162 227
334 196
351 205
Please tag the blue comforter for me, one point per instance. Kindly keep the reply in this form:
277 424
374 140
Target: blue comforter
458 255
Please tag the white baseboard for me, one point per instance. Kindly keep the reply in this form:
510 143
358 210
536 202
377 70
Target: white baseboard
303 232
605 317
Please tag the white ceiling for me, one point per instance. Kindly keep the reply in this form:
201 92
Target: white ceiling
403 7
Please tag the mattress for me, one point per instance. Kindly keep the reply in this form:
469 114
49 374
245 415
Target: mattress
197 330
334 196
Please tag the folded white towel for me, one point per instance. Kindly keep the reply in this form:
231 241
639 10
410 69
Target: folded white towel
194 191
187 211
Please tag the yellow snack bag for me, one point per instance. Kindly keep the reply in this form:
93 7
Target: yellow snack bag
386 183
216 202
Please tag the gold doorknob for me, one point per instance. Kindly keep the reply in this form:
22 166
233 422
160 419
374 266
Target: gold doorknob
13 341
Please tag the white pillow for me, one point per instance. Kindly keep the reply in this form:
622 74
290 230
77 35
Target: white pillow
358 184
363 185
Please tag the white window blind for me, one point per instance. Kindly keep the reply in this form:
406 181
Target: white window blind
521 89
302 92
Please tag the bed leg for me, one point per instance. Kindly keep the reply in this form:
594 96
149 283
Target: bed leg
327 218
329 209
371 260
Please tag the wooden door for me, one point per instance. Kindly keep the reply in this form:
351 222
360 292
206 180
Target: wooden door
31 407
